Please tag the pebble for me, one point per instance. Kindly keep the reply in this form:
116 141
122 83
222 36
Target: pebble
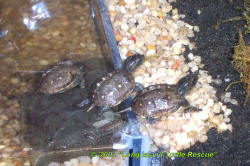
15 80
124 26
161 35
210 102
198 11
177 48
43 62
191 56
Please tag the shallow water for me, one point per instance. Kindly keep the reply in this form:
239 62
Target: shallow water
36 34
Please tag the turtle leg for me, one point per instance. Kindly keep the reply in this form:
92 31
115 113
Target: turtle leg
184 103
83 103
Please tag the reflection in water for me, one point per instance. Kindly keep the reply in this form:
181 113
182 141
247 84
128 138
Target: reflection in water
3 33
40 11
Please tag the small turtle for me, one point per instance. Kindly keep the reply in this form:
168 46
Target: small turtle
113 88
61 77
153 101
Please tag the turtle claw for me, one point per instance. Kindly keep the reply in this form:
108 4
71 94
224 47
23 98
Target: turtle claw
124 110
91 107
83 103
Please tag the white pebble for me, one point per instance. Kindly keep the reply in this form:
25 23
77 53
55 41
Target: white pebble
165 140
84 159
227 112
158 133
129 2
196 29
227 79
177 48
210 102
54 164
204 115
74 161
163 63
95 160
151 52
191 56
124 26
67 163
223 126
194 69
234 102
228 95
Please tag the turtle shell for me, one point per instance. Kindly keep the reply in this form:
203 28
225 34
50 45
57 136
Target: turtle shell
113 88
59 78
156 100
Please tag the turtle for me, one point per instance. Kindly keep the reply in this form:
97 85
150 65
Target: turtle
156 100
116 86
63 76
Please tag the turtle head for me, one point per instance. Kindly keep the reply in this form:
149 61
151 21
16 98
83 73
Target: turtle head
132 62
187 83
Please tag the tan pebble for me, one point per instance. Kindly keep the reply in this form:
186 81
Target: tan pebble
160 14
65 23
43 62
203 138
147 64
112 13
216 120
151 47
168 8
118 38
175 11
122 3
15 80
55 34
227 120
222 127
192 134
18 163
216 108
129 53
132 30
27 163
185 68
